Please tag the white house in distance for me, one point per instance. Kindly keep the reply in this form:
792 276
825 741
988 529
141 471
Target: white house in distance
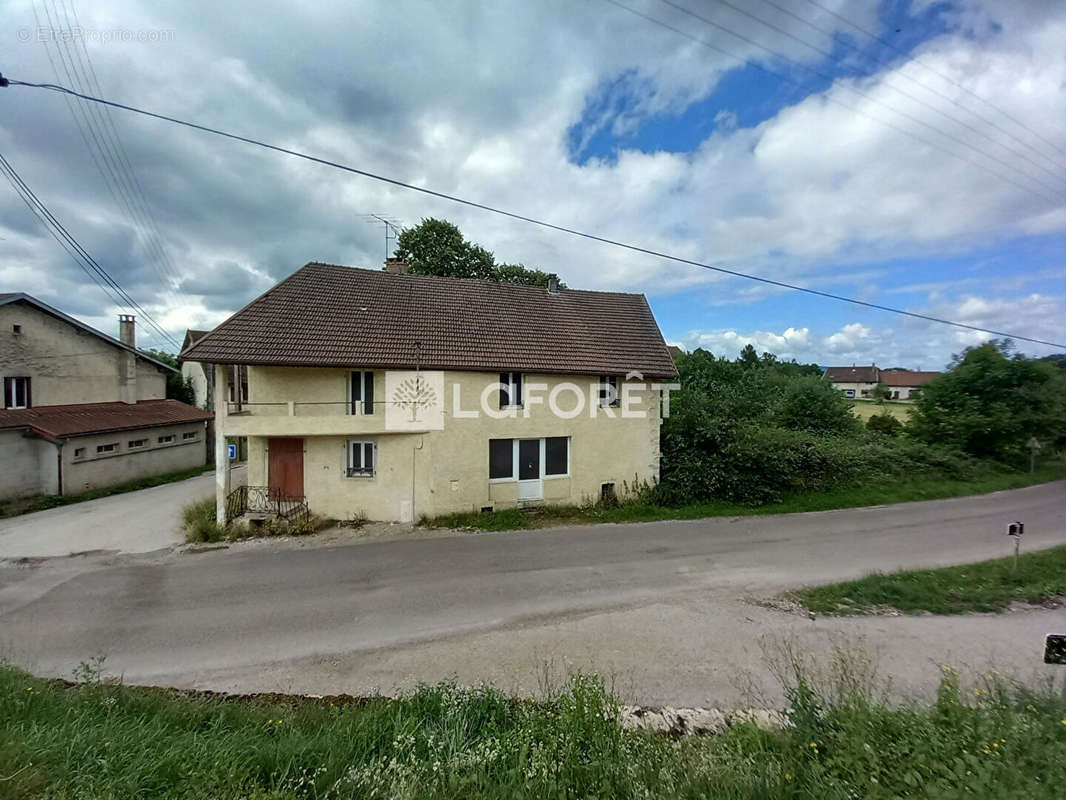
82 410
859 382
391 396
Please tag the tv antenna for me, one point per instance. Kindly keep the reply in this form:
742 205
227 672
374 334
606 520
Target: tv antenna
393 227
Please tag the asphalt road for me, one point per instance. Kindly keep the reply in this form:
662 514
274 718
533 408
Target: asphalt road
134 522
666 609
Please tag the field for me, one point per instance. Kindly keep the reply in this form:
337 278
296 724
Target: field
864 409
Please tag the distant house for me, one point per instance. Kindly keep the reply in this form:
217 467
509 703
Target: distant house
202 380
82 410
392 396
853 381
859 382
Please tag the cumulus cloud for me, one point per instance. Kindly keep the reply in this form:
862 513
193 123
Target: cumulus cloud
481 100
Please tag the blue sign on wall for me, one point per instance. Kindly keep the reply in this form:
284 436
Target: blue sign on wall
232 451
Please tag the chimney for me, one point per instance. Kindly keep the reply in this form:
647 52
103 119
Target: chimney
553 284
397 266
127 379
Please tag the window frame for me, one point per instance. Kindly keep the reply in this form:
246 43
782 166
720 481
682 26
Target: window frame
166 438
189 436
511 384
544 474
547 474
136 444
349 452
11 384
106 449
607 383
359 396
514 461
849 393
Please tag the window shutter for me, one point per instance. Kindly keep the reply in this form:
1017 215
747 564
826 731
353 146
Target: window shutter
505 379
28 403
368 392
517 383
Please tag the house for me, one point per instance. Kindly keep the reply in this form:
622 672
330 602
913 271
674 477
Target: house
390 396
904 384
201 379
82 410
859 382
853 381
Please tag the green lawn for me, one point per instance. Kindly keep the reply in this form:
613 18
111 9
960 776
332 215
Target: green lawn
103 741
848 497
13 508
983 586
864 409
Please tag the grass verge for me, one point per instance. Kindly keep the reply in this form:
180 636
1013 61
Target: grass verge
982 586
845 497
14 508
102 740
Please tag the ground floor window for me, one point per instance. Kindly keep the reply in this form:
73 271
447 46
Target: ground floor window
849 392
112 447
362 459
529 459
133 444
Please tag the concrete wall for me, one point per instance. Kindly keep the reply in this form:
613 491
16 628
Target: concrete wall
447 469
126 465
27 465
66 364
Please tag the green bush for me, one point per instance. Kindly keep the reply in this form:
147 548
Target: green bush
885 424
200 524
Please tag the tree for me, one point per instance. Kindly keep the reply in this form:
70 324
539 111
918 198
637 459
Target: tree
885 424
748 357
178 387
437 247
880 393
991 402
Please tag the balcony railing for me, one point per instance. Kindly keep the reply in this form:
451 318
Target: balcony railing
266 500
299 408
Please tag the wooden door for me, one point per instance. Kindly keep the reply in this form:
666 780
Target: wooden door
285 469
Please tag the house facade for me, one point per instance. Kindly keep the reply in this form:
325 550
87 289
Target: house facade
200 378
389 396
82 410
859 382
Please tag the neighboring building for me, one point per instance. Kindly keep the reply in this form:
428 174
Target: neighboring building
202 380
82 410
859 382
904 384
365 391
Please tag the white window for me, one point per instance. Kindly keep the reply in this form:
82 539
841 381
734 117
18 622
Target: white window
849 392
505 458
166 439
16 392
609 391
79 452
510 390
362 459
189 435
107 448
133 444
361 392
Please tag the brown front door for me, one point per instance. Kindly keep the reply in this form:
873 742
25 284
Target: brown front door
286 467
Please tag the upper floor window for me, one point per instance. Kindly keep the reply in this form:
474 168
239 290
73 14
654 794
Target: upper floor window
609 391
361 392
167 439
362 459
510 390
238 384
133 444
16 392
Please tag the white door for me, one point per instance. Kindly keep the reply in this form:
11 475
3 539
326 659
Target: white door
530 472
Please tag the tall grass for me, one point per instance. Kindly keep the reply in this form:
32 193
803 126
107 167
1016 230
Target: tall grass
98 740
199 521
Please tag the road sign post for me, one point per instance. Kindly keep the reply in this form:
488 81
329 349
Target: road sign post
1033 446
1055 652
1015 530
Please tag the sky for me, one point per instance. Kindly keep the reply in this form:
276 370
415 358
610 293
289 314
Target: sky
905 153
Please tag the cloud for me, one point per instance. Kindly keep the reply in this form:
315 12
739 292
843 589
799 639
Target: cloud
480 101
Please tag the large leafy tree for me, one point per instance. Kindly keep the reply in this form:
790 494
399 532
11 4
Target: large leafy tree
991 402
438 247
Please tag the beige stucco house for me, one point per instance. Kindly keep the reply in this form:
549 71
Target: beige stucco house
389 396
82 410
860 382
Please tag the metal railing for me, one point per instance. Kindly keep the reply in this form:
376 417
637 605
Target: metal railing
298 408
266 500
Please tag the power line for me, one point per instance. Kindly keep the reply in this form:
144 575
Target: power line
860 92
828 97
827 54
524 218
947 78
69 243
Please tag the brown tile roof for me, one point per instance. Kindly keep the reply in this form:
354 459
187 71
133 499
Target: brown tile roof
851 374
332 316
906 377
57 422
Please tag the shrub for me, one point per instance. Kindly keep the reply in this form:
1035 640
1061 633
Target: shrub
200 524
885 424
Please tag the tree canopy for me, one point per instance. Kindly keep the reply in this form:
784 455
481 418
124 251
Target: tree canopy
438 247
178 387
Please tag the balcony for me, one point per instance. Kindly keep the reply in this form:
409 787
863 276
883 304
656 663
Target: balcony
303 418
